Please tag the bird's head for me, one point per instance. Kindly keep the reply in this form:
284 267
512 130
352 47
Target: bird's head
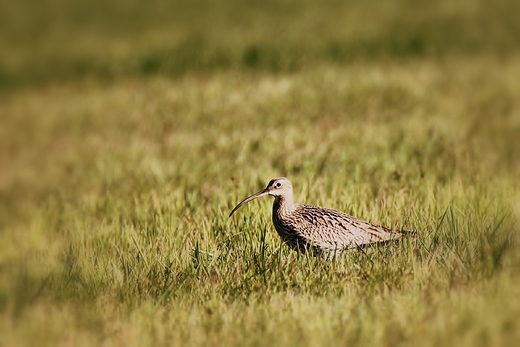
280 186
277 187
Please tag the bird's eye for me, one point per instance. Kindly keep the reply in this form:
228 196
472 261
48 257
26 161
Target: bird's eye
277 185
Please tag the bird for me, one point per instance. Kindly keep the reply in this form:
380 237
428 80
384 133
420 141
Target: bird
321 230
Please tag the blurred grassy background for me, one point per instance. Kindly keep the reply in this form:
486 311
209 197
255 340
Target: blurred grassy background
66 40
130 129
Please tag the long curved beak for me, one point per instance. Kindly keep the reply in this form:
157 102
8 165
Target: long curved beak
252 197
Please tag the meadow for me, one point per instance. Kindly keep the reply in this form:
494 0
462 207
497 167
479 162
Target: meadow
130 130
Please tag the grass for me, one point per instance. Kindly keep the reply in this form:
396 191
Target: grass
67 40
114 193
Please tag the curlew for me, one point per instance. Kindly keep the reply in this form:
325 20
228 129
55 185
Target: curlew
322 230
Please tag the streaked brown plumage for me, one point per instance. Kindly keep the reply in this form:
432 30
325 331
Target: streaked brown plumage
304 227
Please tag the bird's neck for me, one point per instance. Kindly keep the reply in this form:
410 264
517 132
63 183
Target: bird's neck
283 205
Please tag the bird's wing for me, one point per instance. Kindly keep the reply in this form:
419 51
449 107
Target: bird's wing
336 230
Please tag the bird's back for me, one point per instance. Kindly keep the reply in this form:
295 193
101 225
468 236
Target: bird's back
325 229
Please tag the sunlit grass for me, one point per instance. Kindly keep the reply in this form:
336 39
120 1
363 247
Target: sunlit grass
128 133
115 204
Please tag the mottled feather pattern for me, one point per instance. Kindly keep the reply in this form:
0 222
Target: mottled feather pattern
305 227
325 228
